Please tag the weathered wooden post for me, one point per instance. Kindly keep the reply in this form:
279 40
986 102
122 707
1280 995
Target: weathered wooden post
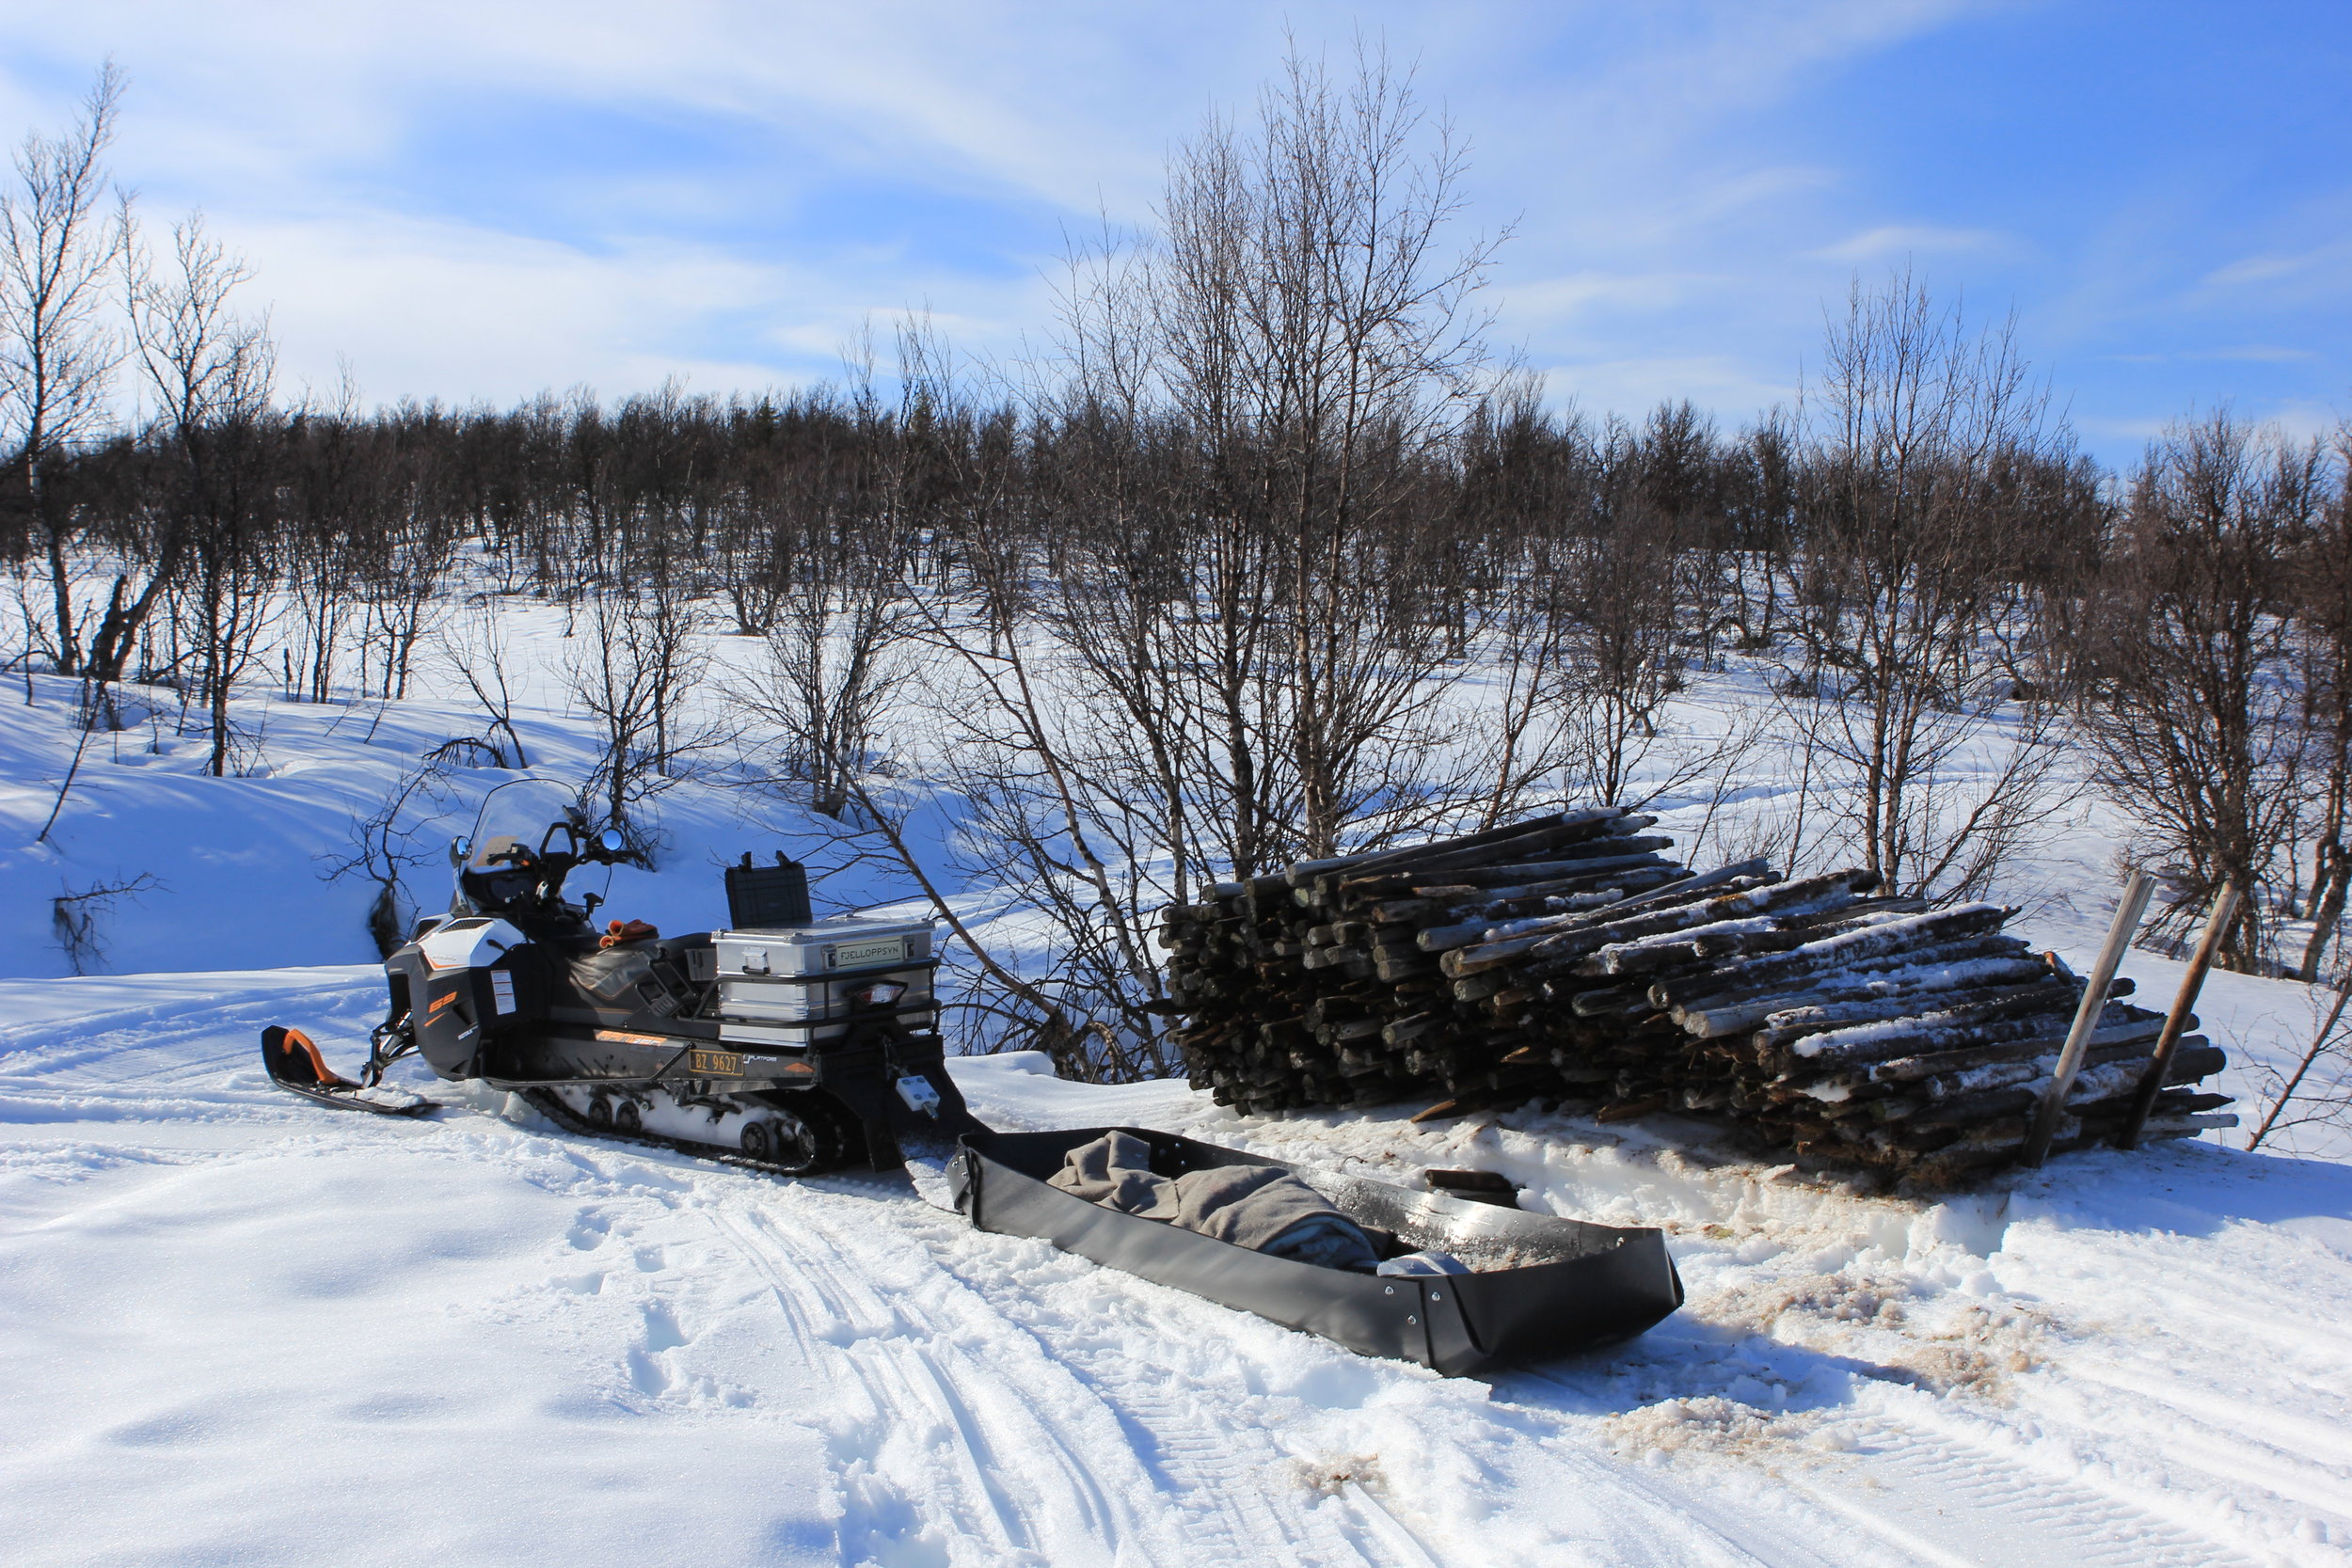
2053 1108
2216 922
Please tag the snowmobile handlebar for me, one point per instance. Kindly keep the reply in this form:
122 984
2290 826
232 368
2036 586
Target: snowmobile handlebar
550 863
607 849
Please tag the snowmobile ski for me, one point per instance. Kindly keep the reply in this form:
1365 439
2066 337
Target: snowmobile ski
293 1064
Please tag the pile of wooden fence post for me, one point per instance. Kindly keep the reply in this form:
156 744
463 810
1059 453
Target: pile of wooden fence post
1570 959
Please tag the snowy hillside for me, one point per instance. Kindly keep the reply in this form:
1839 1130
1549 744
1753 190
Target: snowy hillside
242 863
244 1329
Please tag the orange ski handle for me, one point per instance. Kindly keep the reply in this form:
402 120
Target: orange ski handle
298 1047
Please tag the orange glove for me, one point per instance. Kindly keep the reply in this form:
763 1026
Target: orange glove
620 931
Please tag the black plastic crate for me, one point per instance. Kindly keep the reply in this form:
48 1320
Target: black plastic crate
761 898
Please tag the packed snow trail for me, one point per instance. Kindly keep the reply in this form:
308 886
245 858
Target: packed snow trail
245 1329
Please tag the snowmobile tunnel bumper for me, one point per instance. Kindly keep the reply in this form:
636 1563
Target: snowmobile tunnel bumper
904 1098
1542 1285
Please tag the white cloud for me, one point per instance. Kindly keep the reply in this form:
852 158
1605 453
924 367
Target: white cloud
425 308
1893 242
2322 265
1658 232
428 309
2298 418
2258 354
1546 300
2119 431
2306 421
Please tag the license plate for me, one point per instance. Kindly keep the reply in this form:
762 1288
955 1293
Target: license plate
718 1064
865 954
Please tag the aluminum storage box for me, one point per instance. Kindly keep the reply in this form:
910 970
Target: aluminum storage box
784 987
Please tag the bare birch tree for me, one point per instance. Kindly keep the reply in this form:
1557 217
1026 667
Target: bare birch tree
58 351
1935 772
635 667
210 371
2195 703
2324 653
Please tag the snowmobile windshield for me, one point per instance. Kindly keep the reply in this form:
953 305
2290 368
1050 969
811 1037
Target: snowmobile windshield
517 814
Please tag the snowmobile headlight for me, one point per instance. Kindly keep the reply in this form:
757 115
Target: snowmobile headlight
878 994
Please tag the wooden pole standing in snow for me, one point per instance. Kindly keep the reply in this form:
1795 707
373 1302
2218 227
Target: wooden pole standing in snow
2094 1001
2216 922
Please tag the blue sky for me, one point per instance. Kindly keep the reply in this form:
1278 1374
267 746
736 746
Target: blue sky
481 200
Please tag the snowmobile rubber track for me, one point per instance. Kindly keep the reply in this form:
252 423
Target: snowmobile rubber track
550 1104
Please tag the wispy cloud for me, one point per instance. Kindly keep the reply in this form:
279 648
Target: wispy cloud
1541 300
2116 430
471 198
1895 241
2260 354
423 307
2326 265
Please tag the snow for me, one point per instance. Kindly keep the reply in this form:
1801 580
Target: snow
242 1328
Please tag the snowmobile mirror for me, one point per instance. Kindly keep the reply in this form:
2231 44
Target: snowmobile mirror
459 847
611 841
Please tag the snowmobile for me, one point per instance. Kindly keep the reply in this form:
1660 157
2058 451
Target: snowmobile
786 1042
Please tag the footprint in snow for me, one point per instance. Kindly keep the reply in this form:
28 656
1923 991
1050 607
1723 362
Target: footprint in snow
646 1370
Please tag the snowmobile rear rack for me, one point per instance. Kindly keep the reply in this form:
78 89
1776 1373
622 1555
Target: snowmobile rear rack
1542 1285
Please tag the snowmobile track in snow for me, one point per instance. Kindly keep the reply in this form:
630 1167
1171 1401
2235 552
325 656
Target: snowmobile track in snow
1929 1499
999 1452
1960 1506
1234 1487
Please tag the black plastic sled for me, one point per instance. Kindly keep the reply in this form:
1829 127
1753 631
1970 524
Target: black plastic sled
295 1064
1542 1285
